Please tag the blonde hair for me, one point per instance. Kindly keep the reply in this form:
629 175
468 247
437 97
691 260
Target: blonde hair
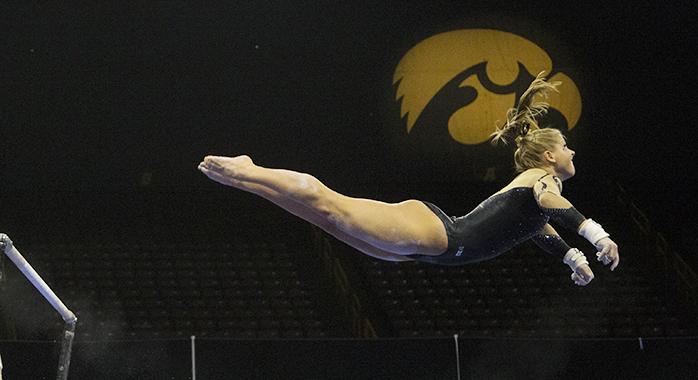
522 127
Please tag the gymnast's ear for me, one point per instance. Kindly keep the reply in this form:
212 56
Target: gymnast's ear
549 156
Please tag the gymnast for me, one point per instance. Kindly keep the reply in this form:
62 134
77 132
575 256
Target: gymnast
418 230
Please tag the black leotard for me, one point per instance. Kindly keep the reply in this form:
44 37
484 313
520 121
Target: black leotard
496 225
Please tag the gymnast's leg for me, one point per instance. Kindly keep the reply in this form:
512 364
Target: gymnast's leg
309 215
404 228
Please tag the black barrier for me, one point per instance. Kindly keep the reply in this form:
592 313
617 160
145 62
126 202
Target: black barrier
327 359
99 360
504 359
29 360
403 359
166 359
547 359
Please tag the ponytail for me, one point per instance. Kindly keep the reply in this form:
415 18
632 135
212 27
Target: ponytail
523 118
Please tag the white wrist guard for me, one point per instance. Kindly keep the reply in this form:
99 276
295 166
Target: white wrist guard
593 232
574 258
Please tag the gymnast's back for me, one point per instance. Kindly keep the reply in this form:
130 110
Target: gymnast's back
528 178
502 221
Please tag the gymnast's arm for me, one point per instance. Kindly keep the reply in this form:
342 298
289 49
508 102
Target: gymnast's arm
549 241
561 211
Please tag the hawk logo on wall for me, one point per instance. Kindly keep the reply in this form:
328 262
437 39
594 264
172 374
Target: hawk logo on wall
479 73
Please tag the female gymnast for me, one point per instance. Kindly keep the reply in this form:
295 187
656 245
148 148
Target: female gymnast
417 230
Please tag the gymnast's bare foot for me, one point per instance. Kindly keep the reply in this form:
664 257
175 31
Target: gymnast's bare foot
226 170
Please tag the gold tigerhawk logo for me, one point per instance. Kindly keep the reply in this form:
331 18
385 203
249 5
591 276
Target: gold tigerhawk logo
432 63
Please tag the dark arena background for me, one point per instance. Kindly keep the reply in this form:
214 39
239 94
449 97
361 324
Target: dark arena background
107 109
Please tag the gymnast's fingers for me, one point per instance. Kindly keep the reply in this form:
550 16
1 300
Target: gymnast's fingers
578 280
604 260
606 254
616 261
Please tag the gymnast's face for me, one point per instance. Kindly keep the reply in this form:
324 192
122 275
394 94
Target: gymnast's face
562 157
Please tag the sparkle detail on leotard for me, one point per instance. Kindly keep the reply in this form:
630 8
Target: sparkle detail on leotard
552 244
568 218
496 225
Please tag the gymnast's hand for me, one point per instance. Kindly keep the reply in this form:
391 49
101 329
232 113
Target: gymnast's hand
608 252
582 275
